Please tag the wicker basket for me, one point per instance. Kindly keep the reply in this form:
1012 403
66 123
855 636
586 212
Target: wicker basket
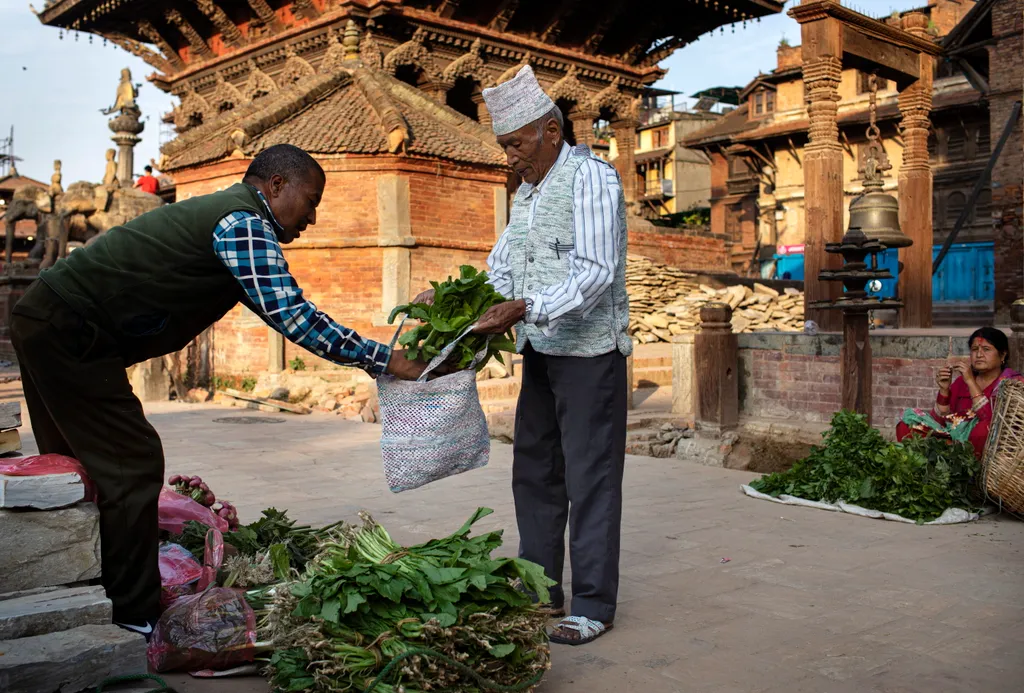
1003 463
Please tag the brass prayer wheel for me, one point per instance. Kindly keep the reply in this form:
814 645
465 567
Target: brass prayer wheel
878 216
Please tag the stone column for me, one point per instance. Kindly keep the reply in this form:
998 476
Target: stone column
716 359
625 161
583 127
482 114
823 166
126 128
915 189
275 350
683 376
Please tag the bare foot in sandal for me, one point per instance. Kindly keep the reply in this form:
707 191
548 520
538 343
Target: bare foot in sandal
578 630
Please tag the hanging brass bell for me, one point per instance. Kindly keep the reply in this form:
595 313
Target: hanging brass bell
878 216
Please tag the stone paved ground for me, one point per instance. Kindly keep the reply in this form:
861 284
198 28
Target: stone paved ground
809 602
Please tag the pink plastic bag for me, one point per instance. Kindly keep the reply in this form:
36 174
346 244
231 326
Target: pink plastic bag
38 465
213 558
176 510
179 573
215 629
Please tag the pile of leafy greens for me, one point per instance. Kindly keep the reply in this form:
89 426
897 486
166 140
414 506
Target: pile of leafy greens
458 303
365 600
274 528
918 479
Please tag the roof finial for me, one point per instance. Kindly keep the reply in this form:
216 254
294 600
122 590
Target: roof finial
351 41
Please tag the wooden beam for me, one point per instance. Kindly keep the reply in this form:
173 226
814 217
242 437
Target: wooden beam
818 10
504 14
884 59
554 25
447 8
973 76
612 10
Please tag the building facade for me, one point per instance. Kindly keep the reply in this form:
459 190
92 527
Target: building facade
388 97
757 157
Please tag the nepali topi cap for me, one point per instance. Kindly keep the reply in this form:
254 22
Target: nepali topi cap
517 102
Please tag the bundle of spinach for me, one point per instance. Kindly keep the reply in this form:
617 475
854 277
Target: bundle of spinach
458 303
366 600
917 479
273 528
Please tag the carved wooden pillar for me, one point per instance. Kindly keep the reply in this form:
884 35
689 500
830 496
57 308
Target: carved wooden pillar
855 364
715 355
823 165
625 160
483 116
583 127
915 189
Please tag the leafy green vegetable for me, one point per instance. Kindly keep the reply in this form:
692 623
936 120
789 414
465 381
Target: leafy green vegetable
458 303
365 600
290 544
917 479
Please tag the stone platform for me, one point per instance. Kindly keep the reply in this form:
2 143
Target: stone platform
719 593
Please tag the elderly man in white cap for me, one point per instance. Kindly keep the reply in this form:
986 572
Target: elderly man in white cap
561 263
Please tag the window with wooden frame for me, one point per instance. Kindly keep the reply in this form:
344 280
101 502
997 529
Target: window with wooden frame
758 103
659 138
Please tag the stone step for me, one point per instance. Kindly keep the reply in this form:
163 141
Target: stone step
70 661
49 547
53 611
498 389
496 406
44 492
660 375
10 415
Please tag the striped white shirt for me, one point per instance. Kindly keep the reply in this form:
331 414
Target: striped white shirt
593 261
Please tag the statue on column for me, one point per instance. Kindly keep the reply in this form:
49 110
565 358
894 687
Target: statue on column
55 187
126 126
127 92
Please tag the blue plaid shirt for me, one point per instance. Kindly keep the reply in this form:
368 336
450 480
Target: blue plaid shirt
247 244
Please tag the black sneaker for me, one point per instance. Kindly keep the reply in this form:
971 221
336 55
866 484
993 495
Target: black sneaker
145 629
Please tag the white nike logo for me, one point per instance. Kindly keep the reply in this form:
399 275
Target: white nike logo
142 630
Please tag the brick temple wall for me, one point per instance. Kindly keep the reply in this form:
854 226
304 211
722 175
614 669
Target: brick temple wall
441 216
796 377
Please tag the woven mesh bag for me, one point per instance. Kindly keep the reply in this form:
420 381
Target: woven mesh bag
432 429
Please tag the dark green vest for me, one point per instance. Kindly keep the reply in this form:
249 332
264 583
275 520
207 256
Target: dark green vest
155 283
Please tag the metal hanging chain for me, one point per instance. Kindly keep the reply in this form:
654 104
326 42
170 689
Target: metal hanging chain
873 133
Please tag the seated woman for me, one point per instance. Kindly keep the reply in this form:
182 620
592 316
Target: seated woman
963 407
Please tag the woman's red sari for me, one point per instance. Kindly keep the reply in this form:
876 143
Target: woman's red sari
960 405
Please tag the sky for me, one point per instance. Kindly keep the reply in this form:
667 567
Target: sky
53 88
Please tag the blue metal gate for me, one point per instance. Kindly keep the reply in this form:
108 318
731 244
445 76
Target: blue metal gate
966 275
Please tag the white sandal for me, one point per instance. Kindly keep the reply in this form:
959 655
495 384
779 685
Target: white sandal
588 628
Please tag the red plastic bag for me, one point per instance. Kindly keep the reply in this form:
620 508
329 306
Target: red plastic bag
176 510
213 558
38 465
215 629
179 573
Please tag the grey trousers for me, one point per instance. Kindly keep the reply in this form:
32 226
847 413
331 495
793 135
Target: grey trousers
568 458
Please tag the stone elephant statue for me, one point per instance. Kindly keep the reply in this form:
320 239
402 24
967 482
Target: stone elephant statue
81 214
29 203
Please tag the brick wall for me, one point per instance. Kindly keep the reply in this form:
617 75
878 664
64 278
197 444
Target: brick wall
1006 73
796 377
680 248
337 262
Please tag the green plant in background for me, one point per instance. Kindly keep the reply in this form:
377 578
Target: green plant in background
248 383
297 364
918 479
783 42
458 303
